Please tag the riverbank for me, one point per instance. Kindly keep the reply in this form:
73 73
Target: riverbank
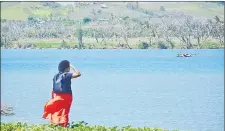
81 126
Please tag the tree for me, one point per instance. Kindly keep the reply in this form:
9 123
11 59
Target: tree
162 8
80 36
219 32
126 30
218 19
183 31
150 30
200 31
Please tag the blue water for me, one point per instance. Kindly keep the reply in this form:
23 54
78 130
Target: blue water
152 88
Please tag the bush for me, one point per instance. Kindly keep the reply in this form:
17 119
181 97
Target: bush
162 45
32 18
81 126
143 45
75 46
86 20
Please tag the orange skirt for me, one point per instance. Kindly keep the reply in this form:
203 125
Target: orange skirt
57 109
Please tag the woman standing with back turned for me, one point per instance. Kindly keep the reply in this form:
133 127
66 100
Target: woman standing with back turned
58 108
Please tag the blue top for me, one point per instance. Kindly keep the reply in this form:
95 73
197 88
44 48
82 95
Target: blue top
62 83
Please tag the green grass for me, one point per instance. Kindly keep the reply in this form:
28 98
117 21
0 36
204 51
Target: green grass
194 8
90 43
48 44
81 126
42 13
21 10
53 44
13 13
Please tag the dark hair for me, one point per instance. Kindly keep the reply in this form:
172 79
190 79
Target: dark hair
63 65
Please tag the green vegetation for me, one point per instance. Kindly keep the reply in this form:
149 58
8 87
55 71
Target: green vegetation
162 45
143 45
211 45
86 20
81 126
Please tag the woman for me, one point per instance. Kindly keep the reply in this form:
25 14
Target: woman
58 108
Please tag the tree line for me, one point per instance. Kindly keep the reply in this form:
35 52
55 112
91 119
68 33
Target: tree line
119 29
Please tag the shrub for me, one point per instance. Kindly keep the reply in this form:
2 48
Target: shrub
81 126
75 46
86 20
143 45
162 45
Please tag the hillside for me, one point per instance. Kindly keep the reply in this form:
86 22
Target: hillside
104 15
21 10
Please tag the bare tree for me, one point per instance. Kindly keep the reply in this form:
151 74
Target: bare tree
200 31
79 34
167 32
183 31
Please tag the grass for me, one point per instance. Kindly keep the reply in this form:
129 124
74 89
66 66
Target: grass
81 126
21 11
13 13
52 44
42 13
194 8
90 43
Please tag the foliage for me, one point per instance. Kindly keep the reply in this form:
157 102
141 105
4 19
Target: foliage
31 18
86 20
81 126
162 45
143 45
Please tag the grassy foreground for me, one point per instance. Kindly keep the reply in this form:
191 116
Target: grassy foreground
81 126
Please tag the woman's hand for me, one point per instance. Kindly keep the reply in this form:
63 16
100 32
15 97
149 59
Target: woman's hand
77 73
71 66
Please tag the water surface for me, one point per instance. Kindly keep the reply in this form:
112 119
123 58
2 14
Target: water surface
152 88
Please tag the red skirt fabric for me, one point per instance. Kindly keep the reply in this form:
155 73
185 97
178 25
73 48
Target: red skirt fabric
57 109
